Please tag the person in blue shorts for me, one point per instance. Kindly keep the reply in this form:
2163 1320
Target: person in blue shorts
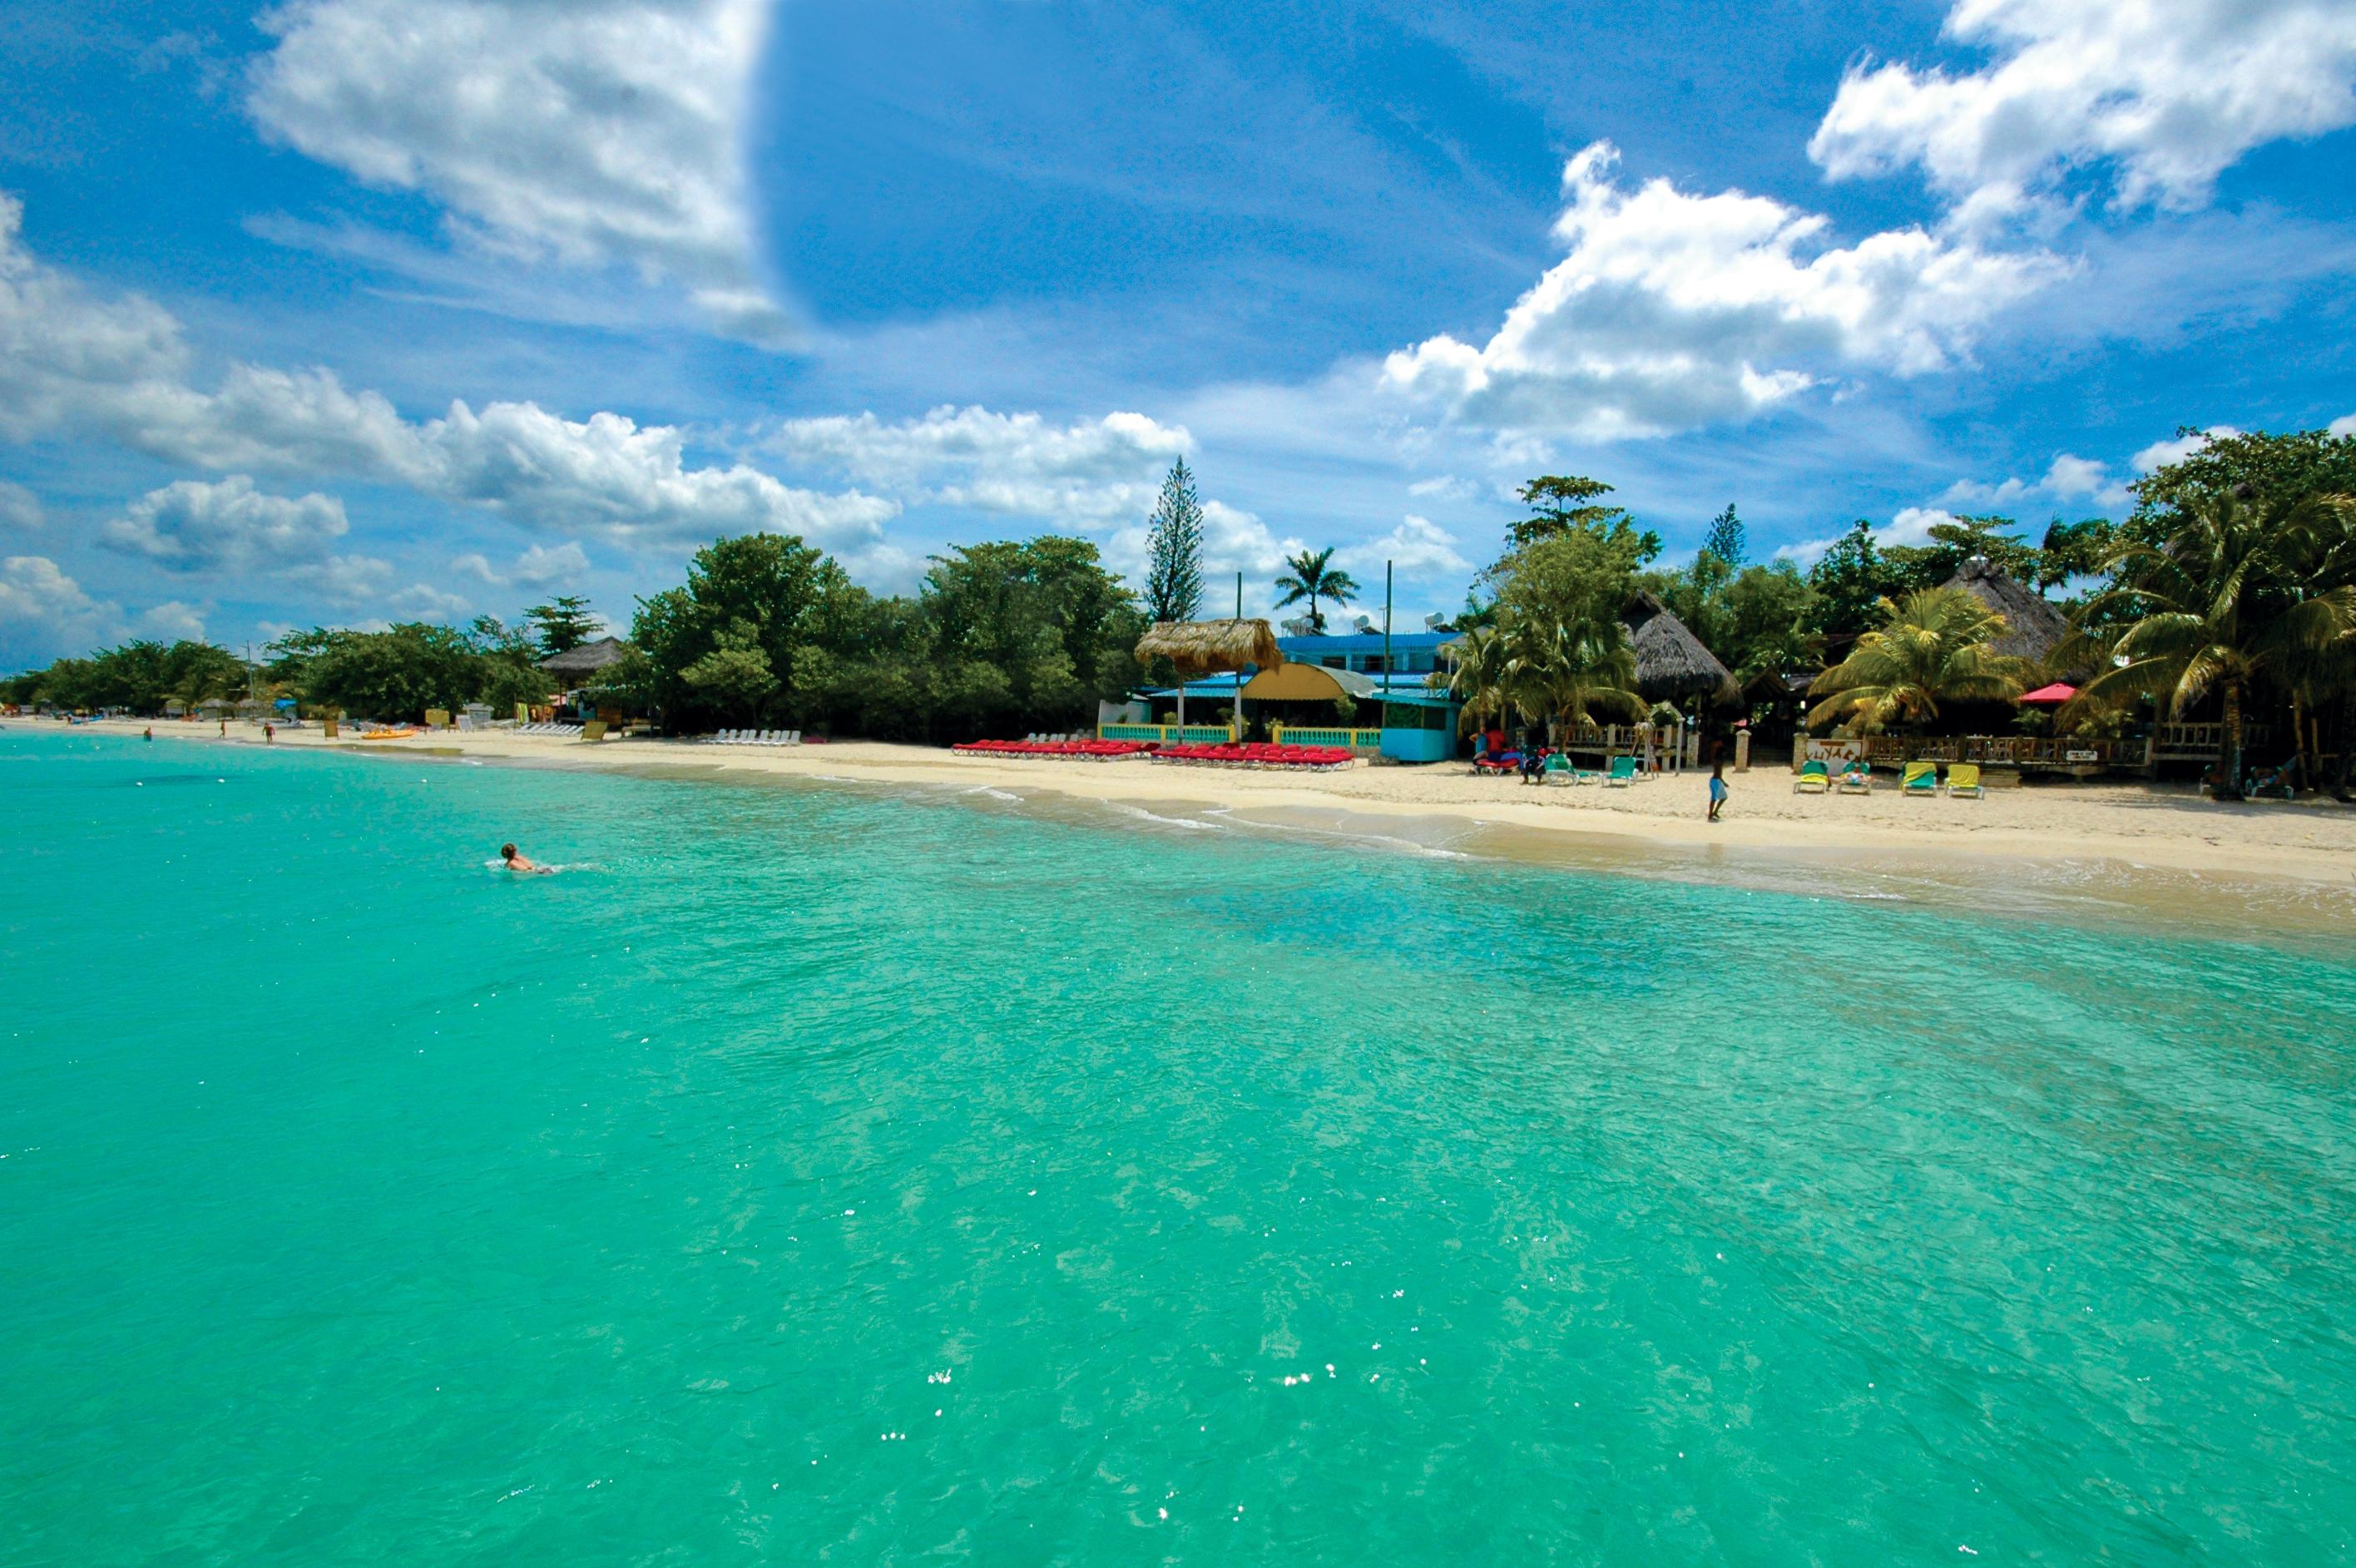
1717 789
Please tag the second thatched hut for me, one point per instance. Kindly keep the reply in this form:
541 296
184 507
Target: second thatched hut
2033 623
1672 665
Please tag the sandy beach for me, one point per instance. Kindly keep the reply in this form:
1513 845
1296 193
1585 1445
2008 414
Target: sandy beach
2167 828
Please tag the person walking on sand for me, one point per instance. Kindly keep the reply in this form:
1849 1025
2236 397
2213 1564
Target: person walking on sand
269 735
1717 789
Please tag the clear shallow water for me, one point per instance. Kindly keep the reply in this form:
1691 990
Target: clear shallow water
363 1204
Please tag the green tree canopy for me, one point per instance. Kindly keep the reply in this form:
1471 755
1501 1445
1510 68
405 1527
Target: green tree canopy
1173 579
2239 592
395 674
1727 538
1560 502
1849 581
2281 470
761 587
563 624
141 676
1913 567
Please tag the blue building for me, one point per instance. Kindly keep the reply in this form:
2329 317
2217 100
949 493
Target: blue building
1411 652
1417 721
1394 711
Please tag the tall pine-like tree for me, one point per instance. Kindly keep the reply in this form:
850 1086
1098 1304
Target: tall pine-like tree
1174 578
1727 538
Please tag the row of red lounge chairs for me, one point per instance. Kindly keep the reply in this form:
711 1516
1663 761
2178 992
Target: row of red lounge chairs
1259 754
1097 750
1256 755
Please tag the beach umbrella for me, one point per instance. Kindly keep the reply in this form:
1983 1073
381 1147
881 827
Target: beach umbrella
2052 695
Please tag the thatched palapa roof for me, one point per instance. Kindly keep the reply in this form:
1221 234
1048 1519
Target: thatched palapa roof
1671 663
1770 686
2032 624
1200 647
576 663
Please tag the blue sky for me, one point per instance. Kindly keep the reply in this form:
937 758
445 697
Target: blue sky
362 310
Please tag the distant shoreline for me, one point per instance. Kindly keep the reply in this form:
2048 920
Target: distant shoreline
2141 827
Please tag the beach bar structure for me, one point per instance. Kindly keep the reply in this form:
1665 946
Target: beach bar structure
575 666
1232 647
1382 681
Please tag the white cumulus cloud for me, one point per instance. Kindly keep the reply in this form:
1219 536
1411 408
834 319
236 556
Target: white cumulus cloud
173 620
2068 478
1416 547
541 566
2168 92
230 527
195 526
593 131
43 610
73 360
2176 449
1907 526
1086 472
19 507
1674 310
2344 426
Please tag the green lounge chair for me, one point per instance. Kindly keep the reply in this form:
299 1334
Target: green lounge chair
1562 769
1856 778
1964 778
1921 778
1812 779
1622 774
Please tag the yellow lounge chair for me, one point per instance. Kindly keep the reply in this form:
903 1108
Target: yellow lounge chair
1814 779
1921 778
1964 778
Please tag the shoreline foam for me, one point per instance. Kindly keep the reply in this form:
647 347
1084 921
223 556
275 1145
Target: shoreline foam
2146 847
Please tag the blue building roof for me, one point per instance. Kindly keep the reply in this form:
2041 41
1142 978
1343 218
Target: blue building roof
1403 686
1309 648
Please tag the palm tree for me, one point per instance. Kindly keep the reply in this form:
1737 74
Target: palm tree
1932 647
1479 672
1312 578
2234 593
1576 671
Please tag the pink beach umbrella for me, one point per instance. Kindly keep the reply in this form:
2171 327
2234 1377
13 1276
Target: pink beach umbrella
2052 695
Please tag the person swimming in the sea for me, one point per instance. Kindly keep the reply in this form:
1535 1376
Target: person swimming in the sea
517 861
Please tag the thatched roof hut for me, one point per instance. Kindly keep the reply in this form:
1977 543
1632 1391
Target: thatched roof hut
1200 647
1672 665
576 665
2032 624
1770 688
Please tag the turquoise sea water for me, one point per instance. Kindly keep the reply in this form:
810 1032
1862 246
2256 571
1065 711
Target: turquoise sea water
819 1174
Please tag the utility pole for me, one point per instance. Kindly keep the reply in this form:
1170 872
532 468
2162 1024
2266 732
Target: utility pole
1382 713
1239 595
